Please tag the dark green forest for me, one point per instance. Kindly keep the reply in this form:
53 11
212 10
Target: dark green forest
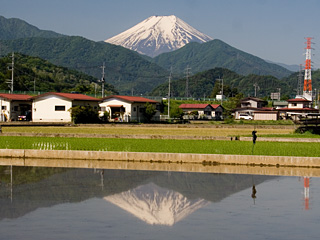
206 84
33 74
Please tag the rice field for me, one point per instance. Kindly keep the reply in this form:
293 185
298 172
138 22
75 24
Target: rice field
162 145
153 130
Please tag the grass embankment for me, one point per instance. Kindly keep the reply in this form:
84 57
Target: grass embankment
160 145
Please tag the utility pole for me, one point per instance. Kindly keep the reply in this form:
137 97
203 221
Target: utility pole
221 80
10 82
300 78
256 86
102 80
187 81
169 92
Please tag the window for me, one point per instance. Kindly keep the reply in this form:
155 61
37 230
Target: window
134 109
59 108
4 107
15 108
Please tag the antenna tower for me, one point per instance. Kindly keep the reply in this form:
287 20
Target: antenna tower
307 85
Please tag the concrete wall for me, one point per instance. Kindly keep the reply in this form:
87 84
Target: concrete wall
163 157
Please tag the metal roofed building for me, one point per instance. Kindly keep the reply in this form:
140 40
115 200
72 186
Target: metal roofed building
127 108
14 106
54 107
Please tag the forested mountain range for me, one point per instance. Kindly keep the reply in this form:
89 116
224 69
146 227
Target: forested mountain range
14 28
202 84
216 53
33 74
125 69
131 73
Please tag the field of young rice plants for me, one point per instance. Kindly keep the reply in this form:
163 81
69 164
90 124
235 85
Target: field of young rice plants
162 145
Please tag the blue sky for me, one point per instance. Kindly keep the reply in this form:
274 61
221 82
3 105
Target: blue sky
271 29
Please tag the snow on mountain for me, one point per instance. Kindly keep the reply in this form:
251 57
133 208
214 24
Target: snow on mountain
158 34
155 205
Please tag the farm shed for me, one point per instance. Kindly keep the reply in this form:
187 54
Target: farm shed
266 115
14 105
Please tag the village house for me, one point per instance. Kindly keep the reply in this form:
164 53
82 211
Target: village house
250 105
202 111
297 107
127 108
15 106
54 107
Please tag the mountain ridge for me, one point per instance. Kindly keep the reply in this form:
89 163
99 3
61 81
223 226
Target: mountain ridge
15 28
216 53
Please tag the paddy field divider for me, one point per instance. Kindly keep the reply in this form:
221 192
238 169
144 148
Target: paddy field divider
204 159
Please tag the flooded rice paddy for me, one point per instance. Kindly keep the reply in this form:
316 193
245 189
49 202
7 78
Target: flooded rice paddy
101 203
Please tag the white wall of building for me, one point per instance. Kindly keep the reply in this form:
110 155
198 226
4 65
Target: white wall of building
49 109
133 111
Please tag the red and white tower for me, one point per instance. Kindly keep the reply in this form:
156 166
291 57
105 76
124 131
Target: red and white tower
307 85
306 192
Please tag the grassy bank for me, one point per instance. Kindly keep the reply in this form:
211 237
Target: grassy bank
160 145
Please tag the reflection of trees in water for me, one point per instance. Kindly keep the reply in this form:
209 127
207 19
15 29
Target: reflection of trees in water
54 186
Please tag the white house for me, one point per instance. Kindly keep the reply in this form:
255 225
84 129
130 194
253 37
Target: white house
54 107
249 106
14 105
297 107
127 108
203 110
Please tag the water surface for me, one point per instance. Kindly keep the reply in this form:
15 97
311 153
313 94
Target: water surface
62 203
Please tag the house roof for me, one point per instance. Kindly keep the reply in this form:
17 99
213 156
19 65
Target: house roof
194 106
18 97
215 105
298 109
253 99
198 105
70 96
298 100
131 99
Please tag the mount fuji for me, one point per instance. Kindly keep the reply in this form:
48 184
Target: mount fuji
158 34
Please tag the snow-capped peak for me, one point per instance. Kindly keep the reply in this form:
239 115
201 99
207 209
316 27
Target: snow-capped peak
155 205
158 34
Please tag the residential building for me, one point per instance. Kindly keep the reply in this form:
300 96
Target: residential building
55 107
202 111
250 105
127 108
297 107
14 106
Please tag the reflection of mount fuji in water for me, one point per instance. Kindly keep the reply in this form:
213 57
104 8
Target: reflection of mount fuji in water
156 205
35 187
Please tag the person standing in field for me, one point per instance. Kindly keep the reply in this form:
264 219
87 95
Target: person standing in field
254 137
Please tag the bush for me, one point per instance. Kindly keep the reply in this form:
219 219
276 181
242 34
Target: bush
84 114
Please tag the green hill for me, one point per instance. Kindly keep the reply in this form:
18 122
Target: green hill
33 74
202 84
14 28
216 53
125 69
